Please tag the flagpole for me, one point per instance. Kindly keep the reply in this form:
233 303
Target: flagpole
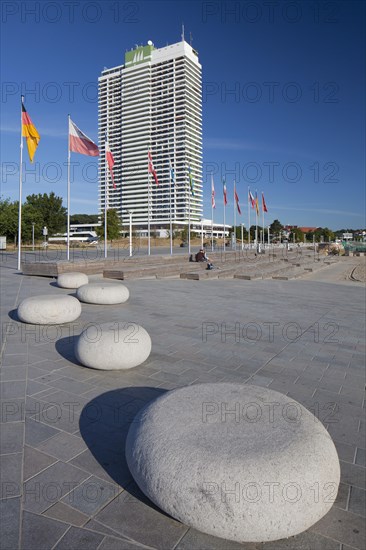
170 204
212 209
248 219
20 187
105 202
256 219
68 195
234 241
189 218
224 224
263 221
148 206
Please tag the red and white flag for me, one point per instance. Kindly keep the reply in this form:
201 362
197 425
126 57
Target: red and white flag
80 143
152 169
264 206
110 161
251 199
225 193
213 203
236 199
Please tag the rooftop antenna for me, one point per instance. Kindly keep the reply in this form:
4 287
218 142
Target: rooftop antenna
182 32
190 38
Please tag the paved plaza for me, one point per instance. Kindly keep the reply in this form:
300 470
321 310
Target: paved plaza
64 478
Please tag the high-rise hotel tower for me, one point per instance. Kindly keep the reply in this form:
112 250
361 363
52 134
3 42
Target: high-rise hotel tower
153 103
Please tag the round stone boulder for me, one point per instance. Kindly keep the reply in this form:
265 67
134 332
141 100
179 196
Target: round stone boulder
113 346
49 310
103 293
239 462
73 279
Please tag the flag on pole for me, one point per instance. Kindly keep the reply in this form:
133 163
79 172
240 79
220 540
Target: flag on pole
213 203
152 169
225 193
236 199
80 143
251 199
256 204
172 173
29 132
109 160
191 182
264 206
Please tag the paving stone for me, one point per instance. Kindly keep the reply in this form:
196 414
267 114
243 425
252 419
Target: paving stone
49 486
11 475
63 446
35 462
357 501
40 533
110 543
343 527
12 435
10 523
91 495
13 373
12 390
160 531
353 474
36 432
66 514
12 410
361 457
200 541
81 539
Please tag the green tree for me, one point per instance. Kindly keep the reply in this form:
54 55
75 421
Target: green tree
299 235
252 232
276 228
48 209
238 233
113 225
8 218
84 218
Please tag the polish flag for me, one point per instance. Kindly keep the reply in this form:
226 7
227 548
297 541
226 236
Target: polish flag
225 194
80 143
152 169
110 161
251 199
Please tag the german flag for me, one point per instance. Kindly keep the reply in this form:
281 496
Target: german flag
30 133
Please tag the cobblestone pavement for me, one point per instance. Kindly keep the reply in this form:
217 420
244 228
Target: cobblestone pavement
65 482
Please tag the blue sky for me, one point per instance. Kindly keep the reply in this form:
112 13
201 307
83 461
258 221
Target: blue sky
283 97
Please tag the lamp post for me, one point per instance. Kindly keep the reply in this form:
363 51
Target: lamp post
32 236
201 232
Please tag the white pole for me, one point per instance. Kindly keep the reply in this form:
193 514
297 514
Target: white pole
248 219
242 236
20 188
68 195
148 208
256 219
33 236
189 218
269 239
212 209
130 213
263 219
105 205
170 167
201 232
234 241
224 224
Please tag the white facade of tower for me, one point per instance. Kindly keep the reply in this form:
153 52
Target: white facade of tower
153 102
